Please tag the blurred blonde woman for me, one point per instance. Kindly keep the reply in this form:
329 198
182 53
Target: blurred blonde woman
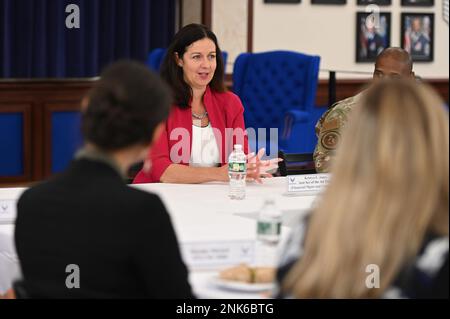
386 207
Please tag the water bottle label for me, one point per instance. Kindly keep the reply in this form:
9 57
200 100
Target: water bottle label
237 167
269 228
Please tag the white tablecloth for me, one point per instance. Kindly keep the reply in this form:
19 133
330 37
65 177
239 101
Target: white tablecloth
201 214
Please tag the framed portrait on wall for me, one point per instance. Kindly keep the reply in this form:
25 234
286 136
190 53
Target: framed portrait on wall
373 35
418 3
328 1
417 35
445 6
377 2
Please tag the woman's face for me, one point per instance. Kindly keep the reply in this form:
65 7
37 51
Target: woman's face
199 63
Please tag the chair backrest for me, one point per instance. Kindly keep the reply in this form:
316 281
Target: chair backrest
225 60
271 83
133 171
296 163
156 57
20 290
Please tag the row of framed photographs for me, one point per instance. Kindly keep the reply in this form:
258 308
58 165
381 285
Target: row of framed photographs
409 3
374 34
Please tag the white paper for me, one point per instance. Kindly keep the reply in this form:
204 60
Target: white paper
215 254
7 211
307 183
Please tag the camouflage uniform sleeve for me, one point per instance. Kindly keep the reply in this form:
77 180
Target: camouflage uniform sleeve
319 123
328 131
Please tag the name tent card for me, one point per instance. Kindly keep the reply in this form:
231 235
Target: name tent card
220 253
307 183
7 211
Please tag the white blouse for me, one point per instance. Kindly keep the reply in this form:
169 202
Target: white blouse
204 150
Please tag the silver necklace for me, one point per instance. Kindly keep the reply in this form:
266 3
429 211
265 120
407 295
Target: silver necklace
200 117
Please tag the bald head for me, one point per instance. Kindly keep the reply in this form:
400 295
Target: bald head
393 62
397 54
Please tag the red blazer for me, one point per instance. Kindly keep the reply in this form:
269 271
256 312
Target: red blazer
225 112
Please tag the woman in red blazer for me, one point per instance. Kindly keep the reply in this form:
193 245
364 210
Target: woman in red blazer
205 121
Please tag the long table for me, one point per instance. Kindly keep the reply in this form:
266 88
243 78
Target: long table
213 231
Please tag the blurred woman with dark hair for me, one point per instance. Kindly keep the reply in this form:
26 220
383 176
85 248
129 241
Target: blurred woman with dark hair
87 222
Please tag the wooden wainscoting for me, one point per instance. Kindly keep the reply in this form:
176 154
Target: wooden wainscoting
35 98
24 108
350 87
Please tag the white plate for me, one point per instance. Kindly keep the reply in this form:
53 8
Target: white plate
241 286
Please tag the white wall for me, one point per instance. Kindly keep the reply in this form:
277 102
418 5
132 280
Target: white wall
229 23
329 31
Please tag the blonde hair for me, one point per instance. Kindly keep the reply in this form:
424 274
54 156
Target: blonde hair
389 188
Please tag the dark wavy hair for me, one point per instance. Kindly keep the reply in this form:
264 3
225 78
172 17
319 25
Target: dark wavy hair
125 106
173 74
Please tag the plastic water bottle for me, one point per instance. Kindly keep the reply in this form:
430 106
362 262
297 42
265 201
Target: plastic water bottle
268 234
269 222
237 171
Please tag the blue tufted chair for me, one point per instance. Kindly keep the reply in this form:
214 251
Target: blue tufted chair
156 57
225 59
278 90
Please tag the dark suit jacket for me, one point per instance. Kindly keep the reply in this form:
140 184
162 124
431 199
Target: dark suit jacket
121 238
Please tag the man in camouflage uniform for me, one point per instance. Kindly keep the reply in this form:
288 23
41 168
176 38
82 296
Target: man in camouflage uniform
393 63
